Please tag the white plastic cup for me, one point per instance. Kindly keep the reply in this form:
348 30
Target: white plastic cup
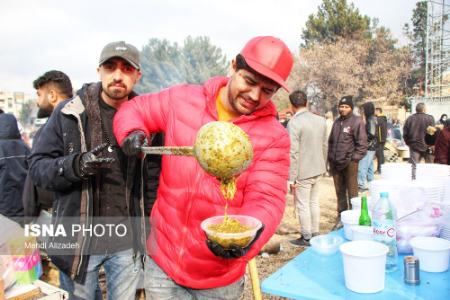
362 233
433 253
364 266
349 219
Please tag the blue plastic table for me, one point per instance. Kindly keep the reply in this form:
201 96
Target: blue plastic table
313 276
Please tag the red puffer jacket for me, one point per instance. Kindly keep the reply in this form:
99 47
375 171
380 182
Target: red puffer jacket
187 194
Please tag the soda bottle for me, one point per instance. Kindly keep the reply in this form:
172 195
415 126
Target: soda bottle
383 222
364 218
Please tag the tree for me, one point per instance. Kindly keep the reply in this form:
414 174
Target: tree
202 60
335 19
418 45
164 63
368 69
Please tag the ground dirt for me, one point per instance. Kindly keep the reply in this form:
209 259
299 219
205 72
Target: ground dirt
288 230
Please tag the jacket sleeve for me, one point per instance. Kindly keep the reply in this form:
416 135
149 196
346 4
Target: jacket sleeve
325 143
265 191
294 135
442 149
151 174
49 167
29 199
147 113
406 130
360 139
330 141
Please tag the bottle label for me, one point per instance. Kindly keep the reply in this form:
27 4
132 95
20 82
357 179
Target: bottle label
384 231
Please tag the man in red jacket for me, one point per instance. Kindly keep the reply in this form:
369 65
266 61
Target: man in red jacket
182 264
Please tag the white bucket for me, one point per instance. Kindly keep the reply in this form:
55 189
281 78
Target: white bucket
364 266
349 219
362 233
433 253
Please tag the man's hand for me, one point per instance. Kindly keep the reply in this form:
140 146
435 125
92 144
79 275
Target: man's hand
132 144
90 162
234 251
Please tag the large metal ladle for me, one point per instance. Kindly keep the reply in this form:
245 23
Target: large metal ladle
222 149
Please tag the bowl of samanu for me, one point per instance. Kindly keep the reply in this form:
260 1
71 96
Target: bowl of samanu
237 230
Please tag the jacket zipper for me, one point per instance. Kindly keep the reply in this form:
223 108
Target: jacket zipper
141 204
339 135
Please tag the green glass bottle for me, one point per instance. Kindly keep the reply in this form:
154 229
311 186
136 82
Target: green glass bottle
364 218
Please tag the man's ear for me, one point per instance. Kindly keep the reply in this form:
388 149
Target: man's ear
232 69
52 97
139 76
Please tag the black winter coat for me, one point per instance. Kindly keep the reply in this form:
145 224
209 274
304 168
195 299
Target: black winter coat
415 129
347 142
381 129
62 141
13 166
35 198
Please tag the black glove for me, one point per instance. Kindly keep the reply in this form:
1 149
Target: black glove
234 251
90 162
132 144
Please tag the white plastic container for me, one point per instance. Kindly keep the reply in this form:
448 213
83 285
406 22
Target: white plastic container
362 233
326 244
433 253
349 219
364 265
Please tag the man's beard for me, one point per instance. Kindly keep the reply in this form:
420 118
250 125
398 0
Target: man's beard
44 113
116 94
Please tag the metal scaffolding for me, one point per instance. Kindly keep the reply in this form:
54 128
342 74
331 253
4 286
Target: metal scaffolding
437 85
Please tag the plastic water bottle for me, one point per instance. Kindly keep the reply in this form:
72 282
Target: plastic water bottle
384 230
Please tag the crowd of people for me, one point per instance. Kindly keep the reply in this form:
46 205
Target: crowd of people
86 166
350 144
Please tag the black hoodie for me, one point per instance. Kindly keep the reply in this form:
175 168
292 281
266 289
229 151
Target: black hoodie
13 167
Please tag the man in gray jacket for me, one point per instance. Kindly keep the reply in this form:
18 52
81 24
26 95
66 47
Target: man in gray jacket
308 134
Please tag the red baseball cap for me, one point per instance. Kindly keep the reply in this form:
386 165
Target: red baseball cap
270 57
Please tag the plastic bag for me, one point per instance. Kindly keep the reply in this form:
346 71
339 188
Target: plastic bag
424 222
19 259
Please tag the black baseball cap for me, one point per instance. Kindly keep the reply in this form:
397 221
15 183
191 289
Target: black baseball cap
123 50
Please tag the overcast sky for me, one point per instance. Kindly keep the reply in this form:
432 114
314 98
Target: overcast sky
37 36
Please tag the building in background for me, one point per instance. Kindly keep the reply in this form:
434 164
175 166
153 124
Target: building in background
21 105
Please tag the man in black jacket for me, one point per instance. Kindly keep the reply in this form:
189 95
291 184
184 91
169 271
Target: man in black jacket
414 132
51 88
95 185
347 145
381 134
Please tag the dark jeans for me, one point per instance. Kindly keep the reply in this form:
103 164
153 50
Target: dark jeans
379 154
418 155
346 185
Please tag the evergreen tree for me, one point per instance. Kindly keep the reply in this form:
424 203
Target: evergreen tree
334 19
164 63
